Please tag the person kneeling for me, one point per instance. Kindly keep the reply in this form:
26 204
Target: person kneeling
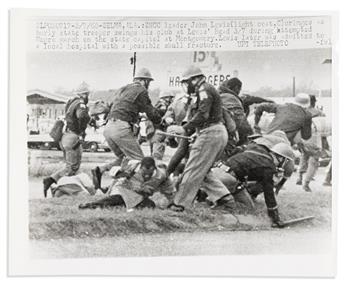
257 163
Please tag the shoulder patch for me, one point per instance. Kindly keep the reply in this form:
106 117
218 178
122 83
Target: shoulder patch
203 95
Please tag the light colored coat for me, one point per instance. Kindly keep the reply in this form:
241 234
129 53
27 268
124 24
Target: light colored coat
130 188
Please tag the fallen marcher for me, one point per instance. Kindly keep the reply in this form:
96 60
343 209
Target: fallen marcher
139 182
73 185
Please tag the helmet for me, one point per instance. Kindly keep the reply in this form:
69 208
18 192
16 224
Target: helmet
83 88
143 73
302 99
192 71
166 94
283 150
280 134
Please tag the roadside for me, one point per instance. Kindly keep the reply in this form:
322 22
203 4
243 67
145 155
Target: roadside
288 241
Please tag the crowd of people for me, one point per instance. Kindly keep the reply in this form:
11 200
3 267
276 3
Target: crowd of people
219 158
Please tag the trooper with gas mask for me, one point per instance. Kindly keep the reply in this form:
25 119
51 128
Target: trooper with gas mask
128 102
205 121
257 163
77 119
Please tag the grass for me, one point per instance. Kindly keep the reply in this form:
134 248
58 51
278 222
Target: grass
58 218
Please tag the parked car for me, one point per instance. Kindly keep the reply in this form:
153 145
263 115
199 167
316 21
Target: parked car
93 142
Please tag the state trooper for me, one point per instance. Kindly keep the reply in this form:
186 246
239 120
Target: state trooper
211 138
130 100
257 163
77 119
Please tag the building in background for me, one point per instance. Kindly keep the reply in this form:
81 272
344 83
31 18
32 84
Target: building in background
43 108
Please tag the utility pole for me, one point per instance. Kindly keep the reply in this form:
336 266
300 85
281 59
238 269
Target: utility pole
134 62
293 86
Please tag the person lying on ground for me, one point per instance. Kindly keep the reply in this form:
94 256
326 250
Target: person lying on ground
73 185
137 184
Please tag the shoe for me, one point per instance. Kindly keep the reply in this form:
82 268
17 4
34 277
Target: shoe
104 190
47 182
201 196
306 187
87 206
176 208
96 177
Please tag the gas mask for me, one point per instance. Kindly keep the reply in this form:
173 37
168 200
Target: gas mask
145 83
280 161
191 85
188 87
85 97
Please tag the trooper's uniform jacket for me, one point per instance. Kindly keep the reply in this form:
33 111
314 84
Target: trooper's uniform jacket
130 101
255 164
77 116
207 109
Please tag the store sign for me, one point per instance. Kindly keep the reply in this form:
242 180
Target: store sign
213 79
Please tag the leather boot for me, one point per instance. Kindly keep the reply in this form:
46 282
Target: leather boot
47 182
274 215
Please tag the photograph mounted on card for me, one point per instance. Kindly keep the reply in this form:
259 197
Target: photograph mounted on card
153 142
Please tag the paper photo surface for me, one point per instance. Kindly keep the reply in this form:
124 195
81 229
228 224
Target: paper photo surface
172 143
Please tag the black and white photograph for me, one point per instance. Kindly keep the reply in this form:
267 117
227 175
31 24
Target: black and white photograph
172 138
